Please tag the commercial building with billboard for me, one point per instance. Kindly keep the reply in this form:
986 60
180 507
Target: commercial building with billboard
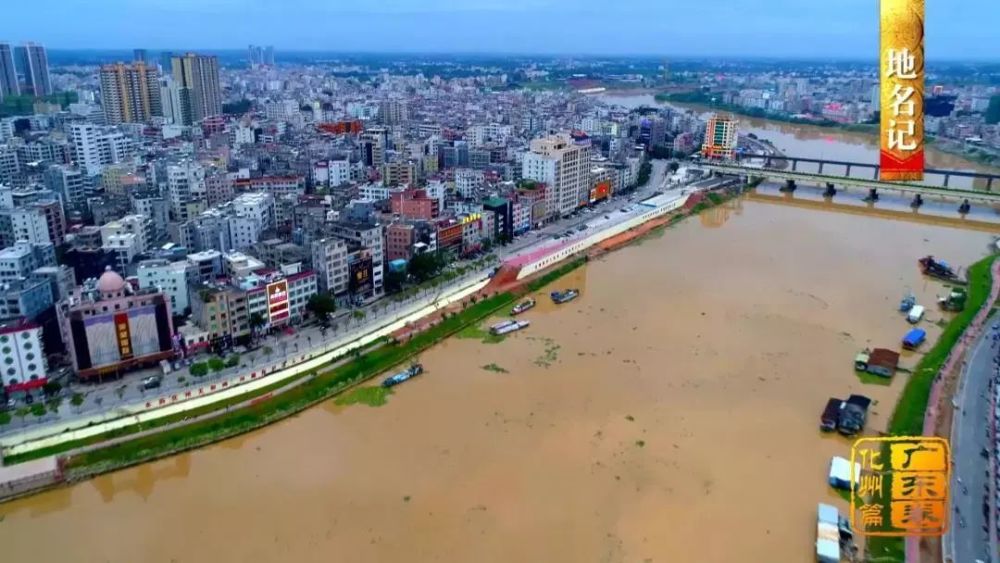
110 327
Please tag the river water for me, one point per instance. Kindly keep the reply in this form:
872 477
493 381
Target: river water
825 143
668 414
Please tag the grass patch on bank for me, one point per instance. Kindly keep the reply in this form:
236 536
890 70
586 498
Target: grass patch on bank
318 389
371 396
908 417
872 379
495 368
474 332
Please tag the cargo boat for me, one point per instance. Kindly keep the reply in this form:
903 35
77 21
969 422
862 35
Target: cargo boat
560 297
937 269
914 338
853 415
408 373
522 306
831 415
508 327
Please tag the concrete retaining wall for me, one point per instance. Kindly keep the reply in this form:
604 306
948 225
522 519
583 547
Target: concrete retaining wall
561 253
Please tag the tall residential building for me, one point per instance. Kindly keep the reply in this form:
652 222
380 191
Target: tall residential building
170 102
392 112
260 56
8 72
33 64
197 76
562 163
140 56
130 93
720 137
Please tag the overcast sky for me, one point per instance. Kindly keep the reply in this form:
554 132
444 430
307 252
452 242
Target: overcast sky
956 29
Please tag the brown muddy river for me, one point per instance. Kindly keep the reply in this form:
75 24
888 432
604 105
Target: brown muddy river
669 414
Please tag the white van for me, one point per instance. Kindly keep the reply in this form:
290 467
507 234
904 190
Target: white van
916 313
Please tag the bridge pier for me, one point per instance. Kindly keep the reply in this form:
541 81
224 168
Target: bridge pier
848 174
917 201
795 165
965 207
989 184
830 190
946 178
872 195
789 186
820 167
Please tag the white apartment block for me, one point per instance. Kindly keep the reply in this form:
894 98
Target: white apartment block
185 184
95 146
29 224
329 261
563 164
138 225
169 277
22 359
468 181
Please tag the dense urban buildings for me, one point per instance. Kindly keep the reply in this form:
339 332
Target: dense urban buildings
212 188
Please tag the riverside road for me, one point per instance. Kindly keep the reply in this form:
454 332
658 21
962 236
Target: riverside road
105 397
971 537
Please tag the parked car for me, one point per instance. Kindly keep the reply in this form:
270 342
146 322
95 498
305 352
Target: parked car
152 382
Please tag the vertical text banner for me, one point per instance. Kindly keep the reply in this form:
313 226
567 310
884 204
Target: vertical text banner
901 72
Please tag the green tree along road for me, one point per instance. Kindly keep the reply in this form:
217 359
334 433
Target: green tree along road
321 305
645 170
25 105
993 110
425 266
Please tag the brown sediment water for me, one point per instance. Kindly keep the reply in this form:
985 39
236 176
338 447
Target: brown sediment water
668 414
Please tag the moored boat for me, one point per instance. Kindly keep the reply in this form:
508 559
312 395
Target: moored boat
408 373
937 269
523 306
559 297
511 326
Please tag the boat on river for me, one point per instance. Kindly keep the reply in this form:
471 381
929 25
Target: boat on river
907 303
508 327
560 297
937 269
523 306
408 373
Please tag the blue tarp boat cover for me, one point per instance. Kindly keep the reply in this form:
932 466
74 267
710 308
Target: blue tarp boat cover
914 337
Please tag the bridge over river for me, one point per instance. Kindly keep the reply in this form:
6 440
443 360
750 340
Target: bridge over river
791 170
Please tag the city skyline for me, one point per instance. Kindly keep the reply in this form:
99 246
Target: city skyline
779 29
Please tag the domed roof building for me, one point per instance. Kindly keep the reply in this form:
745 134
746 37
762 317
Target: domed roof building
111 284
110 327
